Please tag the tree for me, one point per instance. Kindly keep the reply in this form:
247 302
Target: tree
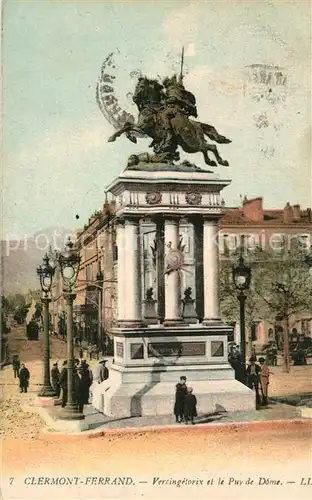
281 288
285 287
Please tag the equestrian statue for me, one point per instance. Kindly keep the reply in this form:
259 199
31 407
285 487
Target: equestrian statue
164 116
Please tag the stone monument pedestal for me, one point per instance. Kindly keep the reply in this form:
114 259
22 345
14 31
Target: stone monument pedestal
149 360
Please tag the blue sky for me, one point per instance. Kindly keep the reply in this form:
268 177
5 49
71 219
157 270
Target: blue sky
56 159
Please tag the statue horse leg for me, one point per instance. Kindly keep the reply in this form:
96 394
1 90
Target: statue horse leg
209 162
126 129
213 148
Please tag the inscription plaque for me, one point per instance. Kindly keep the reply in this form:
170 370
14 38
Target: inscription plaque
119 349
217 349
136 351
176 349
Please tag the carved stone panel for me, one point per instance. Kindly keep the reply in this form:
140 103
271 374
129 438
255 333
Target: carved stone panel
174 349
193 198
136 351
153 198
217 349
119 349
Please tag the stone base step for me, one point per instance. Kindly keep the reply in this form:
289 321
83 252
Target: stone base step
157 398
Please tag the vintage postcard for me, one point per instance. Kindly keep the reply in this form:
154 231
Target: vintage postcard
156 258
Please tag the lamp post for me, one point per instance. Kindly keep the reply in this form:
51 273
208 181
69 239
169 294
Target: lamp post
100 282
241 277
69 265
46 272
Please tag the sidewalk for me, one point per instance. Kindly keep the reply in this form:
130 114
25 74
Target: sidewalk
99 424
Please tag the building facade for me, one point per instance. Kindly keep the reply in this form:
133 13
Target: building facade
255 227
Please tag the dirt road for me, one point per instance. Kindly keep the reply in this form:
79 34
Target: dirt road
193 455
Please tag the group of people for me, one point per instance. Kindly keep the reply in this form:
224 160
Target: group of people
258 378
22 373
185 403
271 355
83 380
256 375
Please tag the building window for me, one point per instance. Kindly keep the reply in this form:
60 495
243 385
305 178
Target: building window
270 334
254 331
225 249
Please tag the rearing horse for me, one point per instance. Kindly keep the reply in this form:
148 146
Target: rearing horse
188 134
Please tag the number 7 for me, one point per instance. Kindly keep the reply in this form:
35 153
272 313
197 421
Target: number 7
11 479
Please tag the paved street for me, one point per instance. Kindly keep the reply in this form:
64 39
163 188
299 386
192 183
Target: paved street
190 454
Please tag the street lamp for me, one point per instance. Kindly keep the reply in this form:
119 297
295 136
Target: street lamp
100 282
46 272
241 277
69 265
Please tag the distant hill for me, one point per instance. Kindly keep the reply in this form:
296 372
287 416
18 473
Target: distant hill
21 258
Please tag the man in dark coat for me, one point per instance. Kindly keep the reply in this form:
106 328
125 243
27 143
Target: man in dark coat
63 384
24 377
253 377
83 386
190 406
16 366
55 379
181 391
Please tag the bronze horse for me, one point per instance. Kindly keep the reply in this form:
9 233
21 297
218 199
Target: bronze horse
187 133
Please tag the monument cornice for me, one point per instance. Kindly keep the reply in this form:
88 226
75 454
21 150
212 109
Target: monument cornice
165 182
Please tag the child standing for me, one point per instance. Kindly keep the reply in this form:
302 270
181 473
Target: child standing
190 406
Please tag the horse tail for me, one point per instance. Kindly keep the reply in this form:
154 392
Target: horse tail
212 133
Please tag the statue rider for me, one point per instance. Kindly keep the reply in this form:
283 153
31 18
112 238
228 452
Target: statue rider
177 100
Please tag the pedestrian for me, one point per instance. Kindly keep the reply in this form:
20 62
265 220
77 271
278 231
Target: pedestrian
63 384
274 355
16 366
83 386
100 372
24 377
55 379
81 353
253 354
264 380
181 391
253 378
90 351
96 352
84 364
190 410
